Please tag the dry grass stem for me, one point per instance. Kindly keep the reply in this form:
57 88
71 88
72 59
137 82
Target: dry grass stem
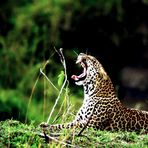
41 71
62 58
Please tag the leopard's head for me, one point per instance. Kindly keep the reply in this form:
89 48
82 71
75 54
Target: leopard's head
92 69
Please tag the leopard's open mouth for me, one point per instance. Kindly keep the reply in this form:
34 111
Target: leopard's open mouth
82 76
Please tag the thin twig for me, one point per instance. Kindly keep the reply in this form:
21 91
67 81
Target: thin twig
32 91
53 137
68 107
50 138
60 53
47 79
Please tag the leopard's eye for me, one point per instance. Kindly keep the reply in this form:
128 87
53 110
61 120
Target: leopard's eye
84 60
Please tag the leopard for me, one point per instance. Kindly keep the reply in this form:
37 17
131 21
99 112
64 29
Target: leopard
101 108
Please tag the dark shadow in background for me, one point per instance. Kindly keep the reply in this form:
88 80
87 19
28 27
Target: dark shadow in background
116 43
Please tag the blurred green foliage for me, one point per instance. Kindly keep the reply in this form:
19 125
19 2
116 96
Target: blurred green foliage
28 30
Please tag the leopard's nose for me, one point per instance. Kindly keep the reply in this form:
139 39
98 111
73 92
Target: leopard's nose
79 59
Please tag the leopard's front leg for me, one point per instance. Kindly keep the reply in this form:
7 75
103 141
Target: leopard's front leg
74 124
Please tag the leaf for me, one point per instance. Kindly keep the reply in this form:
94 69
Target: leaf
61 77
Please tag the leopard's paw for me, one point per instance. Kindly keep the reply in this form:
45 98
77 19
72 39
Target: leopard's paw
44 125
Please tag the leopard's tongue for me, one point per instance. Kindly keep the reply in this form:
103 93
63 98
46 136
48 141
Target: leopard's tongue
76 78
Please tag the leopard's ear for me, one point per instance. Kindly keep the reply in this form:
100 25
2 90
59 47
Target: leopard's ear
103 73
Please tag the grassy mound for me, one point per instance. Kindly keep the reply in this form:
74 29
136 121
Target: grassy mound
16 134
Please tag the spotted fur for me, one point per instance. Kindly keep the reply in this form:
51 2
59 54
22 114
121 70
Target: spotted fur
101 107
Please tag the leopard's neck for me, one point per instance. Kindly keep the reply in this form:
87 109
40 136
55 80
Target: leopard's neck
100 87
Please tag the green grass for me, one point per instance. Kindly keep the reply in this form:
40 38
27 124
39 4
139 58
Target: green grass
16 134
